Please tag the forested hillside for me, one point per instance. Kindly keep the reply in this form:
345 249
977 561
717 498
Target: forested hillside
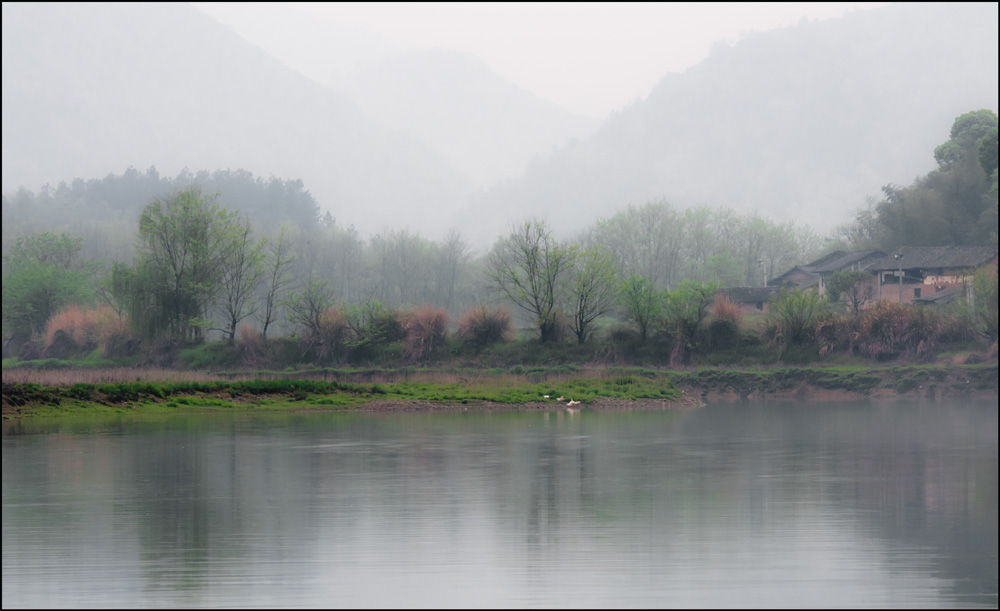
801 123
93 89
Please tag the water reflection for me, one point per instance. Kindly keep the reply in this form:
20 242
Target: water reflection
784 505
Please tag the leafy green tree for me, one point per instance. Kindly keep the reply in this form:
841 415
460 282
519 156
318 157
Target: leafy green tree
966 132
529 267
643 304
854 285
954 204
591 290
242 271
184 242
42 274
687 309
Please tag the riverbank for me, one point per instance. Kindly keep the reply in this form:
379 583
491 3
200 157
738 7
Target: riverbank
597 388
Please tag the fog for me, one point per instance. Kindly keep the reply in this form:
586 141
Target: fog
797 123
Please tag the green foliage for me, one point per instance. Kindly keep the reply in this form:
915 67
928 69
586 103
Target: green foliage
686 309
41 274
185 242
980 308
954 204
591 291
854 285
793 316
643 304
376 329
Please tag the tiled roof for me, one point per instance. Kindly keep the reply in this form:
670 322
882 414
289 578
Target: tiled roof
749 294
932 257
940 297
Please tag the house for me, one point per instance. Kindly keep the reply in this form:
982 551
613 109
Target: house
750 298
818 273
917 272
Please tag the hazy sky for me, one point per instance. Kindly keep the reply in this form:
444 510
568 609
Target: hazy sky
590 58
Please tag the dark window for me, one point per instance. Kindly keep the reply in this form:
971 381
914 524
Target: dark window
916 293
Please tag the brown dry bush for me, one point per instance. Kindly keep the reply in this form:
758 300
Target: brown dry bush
724 309
890 329
426 329
250 347
87 328
483 325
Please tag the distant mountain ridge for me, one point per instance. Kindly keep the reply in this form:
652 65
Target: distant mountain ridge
91 89
454 102
798 124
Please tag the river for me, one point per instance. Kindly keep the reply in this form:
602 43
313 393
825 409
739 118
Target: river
776 504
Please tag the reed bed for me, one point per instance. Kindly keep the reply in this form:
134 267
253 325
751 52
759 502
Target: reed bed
480 378
69 377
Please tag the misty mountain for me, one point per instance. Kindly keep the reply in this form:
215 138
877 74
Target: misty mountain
91 89
800 123
480 122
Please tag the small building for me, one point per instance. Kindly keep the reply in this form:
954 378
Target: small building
818 273
750 298
918 272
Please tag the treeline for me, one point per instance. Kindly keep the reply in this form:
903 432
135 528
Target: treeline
953 204
105 212
199 268
190 267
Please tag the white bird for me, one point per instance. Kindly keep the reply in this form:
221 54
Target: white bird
560 398
545 396
572 403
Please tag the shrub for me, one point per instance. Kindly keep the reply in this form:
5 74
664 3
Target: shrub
250 347
724 309
794 316
723 333
75 328
483 325
426 329
376 328
888 329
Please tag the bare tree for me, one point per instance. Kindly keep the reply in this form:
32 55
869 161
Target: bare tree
529 267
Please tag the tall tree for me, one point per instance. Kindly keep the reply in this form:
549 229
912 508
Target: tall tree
643 303
242 271
183 246
529 267
592 289
277 276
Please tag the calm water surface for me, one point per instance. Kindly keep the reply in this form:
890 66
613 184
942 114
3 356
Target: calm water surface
738 505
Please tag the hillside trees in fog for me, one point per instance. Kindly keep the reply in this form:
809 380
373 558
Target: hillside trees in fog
955 204
665 246
83 207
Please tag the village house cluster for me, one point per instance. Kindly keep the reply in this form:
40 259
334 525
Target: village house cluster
925 275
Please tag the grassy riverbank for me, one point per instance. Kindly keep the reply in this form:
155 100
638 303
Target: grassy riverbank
82 391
